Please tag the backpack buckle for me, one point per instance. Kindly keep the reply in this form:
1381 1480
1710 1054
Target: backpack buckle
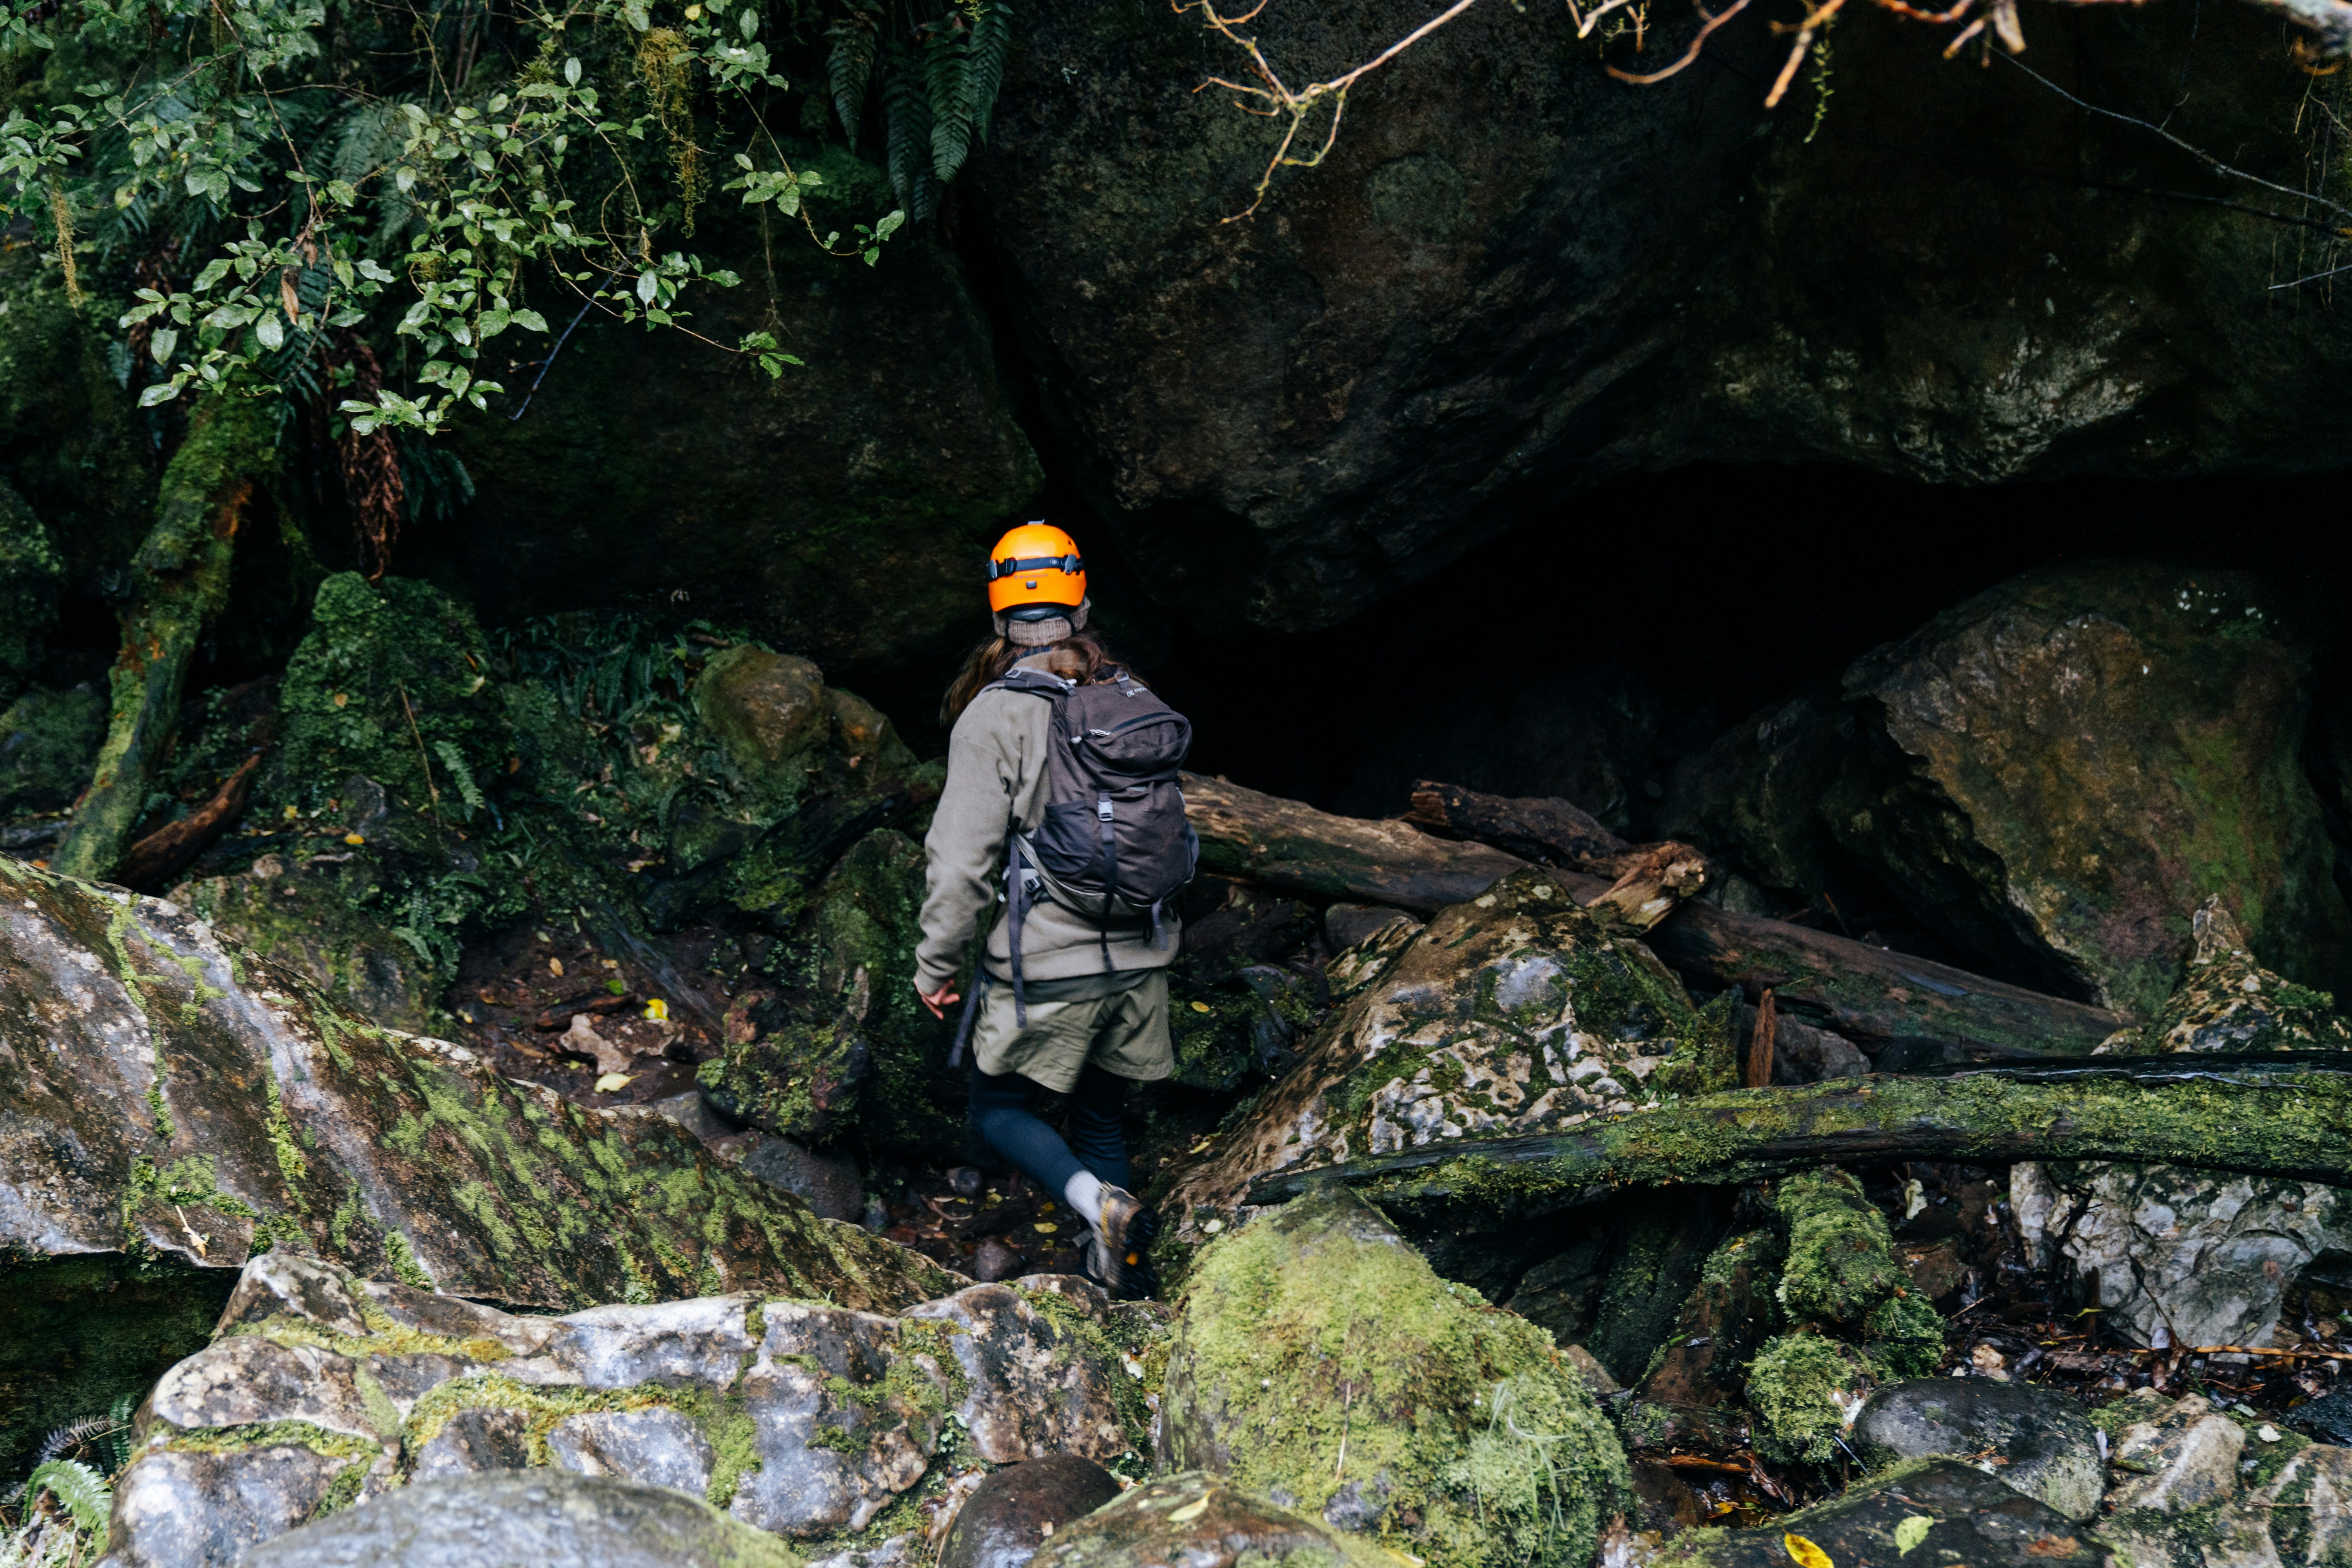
1102 809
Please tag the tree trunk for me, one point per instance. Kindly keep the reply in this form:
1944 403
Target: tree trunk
182 576
1872 996
2288 1114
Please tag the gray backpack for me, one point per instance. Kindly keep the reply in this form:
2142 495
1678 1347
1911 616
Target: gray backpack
1112 843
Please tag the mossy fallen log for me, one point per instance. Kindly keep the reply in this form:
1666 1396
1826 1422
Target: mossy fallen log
2286 1115
1872 995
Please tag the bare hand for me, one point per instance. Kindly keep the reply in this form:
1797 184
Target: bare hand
938 1001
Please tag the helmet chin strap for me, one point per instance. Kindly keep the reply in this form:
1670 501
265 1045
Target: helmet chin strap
1047 632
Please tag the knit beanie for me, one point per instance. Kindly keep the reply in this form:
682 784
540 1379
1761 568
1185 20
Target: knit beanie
1047 632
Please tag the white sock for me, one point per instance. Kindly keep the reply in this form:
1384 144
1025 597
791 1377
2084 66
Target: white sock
1084 1192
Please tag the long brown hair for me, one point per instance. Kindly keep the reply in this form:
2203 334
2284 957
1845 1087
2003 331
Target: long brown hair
1082 657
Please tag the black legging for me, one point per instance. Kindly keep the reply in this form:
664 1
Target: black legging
1001 1113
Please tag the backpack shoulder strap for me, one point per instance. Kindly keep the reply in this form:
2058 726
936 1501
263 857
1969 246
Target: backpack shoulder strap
1035 682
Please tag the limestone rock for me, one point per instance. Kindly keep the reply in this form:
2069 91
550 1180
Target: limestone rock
2180 1257
801 1420
2227 1002
828 1184
1202 1521
1973 1519
2081 755
311 916
2037 1441
1515 1012
2179 1457
538 1519
1012 1514
170 1096
1317 1324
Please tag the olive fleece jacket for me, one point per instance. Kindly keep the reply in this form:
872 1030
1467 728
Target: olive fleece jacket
996 772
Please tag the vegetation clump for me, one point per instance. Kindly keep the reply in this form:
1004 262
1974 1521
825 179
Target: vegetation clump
1319 1361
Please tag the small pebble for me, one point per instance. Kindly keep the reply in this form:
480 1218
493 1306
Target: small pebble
2267 1433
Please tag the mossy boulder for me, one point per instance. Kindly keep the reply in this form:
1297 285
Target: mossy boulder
1318 1361
1515 1012
48 743
192 1105
2067 765
392 684
841 1048
1203 1522
312 916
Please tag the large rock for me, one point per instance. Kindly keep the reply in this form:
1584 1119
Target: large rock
1515 1012
2194 1486
1970 1518
842 510
172 1098
2039 1440
806 1421
541 1520
1320 1361
2180 1257
1434 332
2084 756
1201 1521
1011 1514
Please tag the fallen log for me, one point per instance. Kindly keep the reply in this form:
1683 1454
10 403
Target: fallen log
2287 1114
152 859
1557 832
1872 996
1295 849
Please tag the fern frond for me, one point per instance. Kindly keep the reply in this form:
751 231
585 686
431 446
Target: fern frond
983 62
908 113
82 1490
944 85
849 67
454 761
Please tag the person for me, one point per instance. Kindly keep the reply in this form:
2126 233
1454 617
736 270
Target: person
1085 1012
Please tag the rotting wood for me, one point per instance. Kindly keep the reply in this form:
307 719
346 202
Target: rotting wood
2286 1114
1557 832
1759 1073
1649 890
1872 996
170 846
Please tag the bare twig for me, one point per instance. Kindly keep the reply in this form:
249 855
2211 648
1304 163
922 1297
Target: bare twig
1281 98
1711 24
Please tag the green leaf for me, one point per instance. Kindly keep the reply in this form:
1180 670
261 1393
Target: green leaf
647 285
82 1490
572 70
162 392
638 17
750 22
531 319
161 345
1911 1532
272 331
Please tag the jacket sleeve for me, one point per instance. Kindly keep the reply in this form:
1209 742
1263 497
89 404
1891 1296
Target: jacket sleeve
965 848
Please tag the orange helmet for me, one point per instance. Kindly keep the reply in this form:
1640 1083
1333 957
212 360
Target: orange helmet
1035 572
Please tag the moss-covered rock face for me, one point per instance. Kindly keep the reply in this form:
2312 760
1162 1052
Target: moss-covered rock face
1805 1389
843 1049
393 684
1319 1361
1515 1012
1968 1517
194 1104
48 742
312 916
2082 756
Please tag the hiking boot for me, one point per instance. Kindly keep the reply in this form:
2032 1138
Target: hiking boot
1118 1250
